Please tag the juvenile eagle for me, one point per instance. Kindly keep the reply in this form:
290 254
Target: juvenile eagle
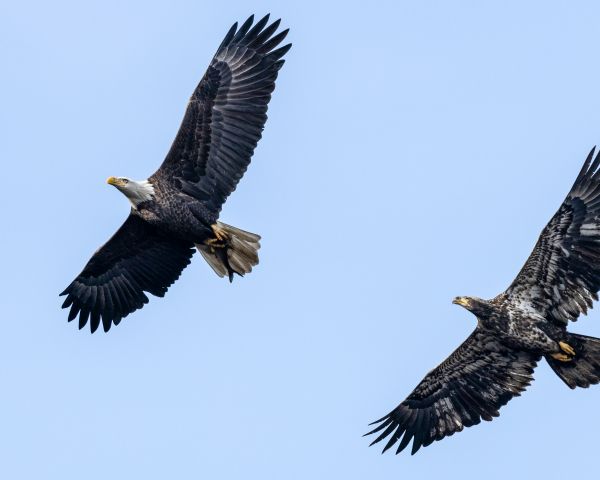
529 320
178 207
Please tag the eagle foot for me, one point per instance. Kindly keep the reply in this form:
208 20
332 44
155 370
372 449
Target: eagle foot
214 243
568 349
561 357
219 232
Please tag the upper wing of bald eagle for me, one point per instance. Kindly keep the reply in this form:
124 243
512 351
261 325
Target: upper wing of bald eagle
137 258
561 278
476 380
226 114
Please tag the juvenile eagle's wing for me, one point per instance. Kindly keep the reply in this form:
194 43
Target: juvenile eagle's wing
561 277
473 383
136 259
226 114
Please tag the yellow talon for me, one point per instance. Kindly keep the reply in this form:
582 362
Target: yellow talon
561 357
219 232
214 243
565 347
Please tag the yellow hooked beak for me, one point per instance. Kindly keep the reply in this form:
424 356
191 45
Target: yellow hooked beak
462 301
113 181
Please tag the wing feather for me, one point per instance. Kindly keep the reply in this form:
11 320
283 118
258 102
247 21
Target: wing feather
137 259
473 383
561 277
226 114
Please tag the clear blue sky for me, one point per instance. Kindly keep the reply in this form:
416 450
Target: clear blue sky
413 153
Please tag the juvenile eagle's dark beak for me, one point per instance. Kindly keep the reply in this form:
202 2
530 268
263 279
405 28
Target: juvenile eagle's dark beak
462 301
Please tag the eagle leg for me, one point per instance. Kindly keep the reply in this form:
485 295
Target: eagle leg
220 239
565 347
214 243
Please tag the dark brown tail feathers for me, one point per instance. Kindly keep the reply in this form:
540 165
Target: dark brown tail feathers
584 369
239 254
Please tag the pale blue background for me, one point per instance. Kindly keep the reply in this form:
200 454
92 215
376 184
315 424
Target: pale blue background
414 151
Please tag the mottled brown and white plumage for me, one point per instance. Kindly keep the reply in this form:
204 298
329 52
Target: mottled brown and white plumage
177 208
559 281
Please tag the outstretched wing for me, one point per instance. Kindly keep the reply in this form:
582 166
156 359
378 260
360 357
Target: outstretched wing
561 277
226 114
473 383
136 259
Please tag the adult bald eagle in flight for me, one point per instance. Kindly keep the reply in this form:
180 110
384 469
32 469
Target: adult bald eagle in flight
178 207
528 321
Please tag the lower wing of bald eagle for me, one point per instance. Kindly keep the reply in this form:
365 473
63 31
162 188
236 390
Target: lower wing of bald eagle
137 259
221 127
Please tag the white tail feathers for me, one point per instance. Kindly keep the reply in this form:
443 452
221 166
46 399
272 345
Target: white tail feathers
238 255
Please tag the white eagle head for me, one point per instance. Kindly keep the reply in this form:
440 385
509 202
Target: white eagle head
136 191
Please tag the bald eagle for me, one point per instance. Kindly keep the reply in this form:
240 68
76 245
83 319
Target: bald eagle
559 281
177 208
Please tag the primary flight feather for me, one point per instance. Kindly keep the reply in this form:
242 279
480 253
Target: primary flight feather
177 208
